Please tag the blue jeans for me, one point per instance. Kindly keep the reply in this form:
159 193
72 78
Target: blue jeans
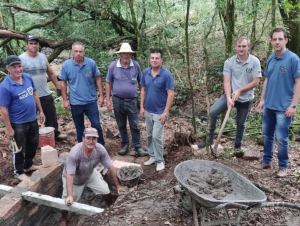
155 144
27 138
276 122
123 109
91 111
241 117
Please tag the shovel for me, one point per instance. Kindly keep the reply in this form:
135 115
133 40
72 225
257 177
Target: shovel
218 148
15 146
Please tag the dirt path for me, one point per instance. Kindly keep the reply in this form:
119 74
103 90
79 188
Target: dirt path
154 202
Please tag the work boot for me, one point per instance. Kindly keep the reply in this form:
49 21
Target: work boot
282 173
124 150
31 168
202 144
140 152
264 166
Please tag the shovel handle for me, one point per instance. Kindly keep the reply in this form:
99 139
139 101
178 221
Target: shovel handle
222 127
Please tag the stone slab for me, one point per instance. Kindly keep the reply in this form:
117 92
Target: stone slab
4 189
251 155
119 164
60 204
49 156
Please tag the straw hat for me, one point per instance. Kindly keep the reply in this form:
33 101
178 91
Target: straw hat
125 48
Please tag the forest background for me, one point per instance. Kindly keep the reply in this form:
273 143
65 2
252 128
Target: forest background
196 36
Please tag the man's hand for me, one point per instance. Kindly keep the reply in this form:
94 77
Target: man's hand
259 107
230 102
290 112
100 100
9 132
121 188
69 200
67 105
163 119
142 112
235 95
109 105
42 118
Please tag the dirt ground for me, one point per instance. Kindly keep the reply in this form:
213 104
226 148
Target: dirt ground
154 202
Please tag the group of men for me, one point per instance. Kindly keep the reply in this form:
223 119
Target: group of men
24 91
279 97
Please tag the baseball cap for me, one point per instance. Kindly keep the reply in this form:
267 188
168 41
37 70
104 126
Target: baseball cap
30 37
13 59
90 132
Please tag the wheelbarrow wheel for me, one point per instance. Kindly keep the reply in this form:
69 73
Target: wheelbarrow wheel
186 203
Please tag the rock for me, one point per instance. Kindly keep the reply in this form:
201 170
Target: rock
49 156
251 155
109 133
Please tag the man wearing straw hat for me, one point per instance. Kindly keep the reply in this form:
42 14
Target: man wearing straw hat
79 171
122 79
18 103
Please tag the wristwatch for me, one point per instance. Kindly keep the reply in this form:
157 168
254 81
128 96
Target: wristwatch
166 114
293 106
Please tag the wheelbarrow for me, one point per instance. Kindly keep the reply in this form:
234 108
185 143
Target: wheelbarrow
244 195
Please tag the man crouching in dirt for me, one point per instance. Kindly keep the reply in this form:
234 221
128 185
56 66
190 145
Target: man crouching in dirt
79 171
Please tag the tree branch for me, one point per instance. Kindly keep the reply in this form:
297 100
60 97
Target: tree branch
37 26
21 8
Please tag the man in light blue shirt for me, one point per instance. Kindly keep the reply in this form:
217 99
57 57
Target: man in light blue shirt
83 76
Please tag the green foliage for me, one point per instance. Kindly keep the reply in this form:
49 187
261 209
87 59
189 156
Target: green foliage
181 92
60 110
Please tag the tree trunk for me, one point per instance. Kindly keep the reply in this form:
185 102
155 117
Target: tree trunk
227 11
292 23
188 63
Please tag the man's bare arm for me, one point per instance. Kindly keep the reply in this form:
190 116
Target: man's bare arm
9 131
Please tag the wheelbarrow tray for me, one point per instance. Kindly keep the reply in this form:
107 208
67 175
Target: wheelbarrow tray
244 192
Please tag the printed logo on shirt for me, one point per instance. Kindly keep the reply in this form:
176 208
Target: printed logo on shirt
282 68
249 71
25 93
88 73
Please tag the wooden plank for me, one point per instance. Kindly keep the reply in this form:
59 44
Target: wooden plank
60 203
4 189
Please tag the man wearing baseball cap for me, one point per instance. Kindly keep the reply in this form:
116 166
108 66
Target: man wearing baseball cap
37 65
79 171
122 79
18 103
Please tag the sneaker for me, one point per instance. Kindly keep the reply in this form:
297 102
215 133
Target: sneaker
150 161
202 144
140 152
282 173
264 166
31 168
160 166
124 150
61 137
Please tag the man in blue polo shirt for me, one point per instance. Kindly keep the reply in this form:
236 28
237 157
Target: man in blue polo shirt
83 76
279 99
122 78
18 103
157 94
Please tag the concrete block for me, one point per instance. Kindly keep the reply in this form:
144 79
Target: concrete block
49 156
4 189
251 155
60 204
119 164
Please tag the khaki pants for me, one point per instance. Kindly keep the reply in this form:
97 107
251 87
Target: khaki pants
95 183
